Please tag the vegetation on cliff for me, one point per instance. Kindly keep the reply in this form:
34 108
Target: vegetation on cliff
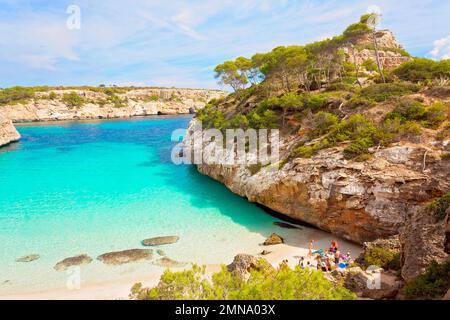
264 283
328 93
433 284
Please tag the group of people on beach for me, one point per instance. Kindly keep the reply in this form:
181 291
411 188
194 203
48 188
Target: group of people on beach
326 261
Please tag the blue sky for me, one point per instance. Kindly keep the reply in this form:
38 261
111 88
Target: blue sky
178 43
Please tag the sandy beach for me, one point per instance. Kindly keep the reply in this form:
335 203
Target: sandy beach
295 246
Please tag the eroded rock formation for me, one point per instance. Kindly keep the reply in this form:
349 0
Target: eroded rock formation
8 132
139 102
360 201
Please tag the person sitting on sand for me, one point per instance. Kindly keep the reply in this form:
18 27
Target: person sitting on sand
302 263
349 259
337 257
334 246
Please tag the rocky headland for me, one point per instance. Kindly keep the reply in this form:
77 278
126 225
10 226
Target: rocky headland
8 132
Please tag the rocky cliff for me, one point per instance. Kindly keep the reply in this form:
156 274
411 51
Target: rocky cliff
391 53
51 106
360 201
8 133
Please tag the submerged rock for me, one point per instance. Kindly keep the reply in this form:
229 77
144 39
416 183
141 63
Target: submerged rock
28 258
169 263
286 225
273 240
126 256
73 261
158 241
161 252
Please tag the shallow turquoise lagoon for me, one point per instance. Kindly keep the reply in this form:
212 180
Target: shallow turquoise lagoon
96 187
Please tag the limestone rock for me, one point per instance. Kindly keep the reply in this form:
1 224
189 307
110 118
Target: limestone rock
126 256
273 240
73 261
423 240
374 284
359 201
138 102
242 264
8 132
169 263
158 241
28 258
447 295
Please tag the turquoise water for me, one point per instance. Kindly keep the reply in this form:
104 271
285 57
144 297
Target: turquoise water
95 187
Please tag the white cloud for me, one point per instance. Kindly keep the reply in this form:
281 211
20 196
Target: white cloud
441 49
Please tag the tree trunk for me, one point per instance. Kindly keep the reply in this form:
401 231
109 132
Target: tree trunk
380 69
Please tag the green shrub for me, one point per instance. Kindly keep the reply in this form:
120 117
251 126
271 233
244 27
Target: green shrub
356 30
315 102
359 102
152 98
264 283
382 91
324 122
52 95
116 101
267 120
421 69
381 257
407 110
411 110
441 205
16 95
370 65
255 168
445 156
73 100
357 126
305 151
444 133
239 121
435 115
433 284
359 149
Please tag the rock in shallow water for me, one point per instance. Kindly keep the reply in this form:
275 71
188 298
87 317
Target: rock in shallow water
28 258
157 241
169 263
126 256
273 240
161 252
73 261
286 225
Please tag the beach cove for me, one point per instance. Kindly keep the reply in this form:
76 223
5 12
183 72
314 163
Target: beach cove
72 188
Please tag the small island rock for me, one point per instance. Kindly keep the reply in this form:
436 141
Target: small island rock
273 240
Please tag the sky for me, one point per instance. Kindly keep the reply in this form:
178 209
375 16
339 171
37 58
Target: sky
178 43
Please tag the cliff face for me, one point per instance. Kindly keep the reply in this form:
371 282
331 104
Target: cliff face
8 133
139 102
391 53
360 201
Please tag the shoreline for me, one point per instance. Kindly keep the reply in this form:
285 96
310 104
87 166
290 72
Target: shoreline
295 246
